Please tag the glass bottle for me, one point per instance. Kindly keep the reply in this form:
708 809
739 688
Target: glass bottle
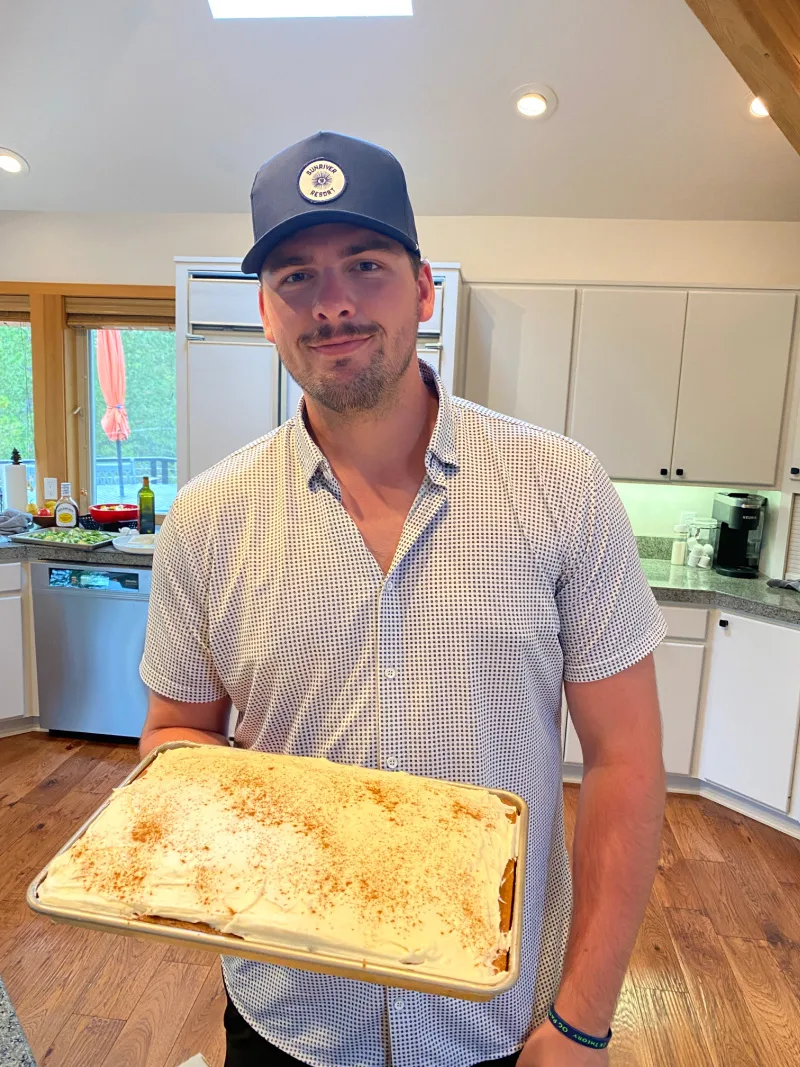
66 510
147 508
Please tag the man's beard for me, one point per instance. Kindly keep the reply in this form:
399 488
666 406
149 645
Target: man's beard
374 384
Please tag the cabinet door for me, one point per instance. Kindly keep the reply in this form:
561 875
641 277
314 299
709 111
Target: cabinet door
232 398
626 378
679 669
733 382
750 726
518 351
12 669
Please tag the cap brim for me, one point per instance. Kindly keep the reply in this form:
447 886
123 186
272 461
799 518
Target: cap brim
254 260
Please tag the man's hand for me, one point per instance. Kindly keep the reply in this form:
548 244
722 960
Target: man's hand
546 1047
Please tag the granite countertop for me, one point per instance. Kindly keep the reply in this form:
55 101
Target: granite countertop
14 1048
706 588
671 585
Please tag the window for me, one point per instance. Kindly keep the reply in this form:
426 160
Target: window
134 370
16 399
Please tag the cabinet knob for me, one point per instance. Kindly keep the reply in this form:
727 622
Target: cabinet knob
679 471
723 623
664 472
794 470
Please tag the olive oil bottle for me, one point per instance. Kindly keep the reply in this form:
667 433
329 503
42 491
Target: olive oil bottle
147 508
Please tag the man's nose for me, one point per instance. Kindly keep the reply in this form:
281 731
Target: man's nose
333 301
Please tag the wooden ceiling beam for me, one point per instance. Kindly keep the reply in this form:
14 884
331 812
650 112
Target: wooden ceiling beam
761 38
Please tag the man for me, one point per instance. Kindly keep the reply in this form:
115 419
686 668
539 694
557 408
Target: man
400 579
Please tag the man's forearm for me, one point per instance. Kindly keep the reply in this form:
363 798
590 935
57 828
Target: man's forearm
153 738
615 853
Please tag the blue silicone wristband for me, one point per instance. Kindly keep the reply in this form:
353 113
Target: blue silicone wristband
577 1035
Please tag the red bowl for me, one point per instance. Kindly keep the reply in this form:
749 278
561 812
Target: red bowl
107 513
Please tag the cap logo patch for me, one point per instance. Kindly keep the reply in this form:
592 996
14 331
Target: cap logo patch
321 181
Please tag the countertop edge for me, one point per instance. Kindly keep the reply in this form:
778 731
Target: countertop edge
710 598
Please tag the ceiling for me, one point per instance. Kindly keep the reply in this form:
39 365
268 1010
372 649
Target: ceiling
147 105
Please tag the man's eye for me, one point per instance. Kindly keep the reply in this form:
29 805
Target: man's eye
293 279
367 266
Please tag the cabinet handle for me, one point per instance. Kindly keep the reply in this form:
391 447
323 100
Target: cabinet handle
723 623
794 470
679 471
664 472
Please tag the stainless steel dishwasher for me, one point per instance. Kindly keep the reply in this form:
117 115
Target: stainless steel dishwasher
89 623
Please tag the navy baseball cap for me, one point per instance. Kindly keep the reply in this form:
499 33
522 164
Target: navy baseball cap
328 178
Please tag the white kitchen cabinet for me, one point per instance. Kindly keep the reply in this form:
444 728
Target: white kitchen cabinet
518 351
679 671
627 370
750 729
232 398
733 382
12 658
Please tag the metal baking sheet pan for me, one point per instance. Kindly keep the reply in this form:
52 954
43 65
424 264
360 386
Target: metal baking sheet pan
198 936
26 539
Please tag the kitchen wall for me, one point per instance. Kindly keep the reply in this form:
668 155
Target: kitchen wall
138 248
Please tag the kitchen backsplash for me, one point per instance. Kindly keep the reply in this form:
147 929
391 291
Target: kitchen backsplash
655 509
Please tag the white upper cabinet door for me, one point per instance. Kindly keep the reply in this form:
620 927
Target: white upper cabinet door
518 351
750 727
627 371
232 398
733 382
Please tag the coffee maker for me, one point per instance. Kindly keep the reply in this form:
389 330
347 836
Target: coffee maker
741 530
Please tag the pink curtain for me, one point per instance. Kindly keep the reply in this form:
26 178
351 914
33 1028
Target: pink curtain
111 372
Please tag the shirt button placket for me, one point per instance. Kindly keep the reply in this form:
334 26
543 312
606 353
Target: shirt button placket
391 732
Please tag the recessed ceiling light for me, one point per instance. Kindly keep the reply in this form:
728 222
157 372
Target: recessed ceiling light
13 162
285 9
758 109
535 101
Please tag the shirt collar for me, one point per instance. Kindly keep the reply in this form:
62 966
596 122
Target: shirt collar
441 458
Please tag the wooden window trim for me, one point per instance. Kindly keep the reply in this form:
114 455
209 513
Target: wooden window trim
59 438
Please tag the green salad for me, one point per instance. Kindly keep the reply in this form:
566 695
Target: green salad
70 537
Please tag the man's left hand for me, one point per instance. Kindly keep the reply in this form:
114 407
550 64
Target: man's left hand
546 1047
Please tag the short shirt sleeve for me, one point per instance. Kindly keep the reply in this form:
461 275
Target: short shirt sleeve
177 662
608 614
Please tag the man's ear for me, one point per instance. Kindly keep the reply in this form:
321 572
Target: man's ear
426 292
268 332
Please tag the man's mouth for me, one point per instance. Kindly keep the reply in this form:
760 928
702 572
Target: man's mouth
343 346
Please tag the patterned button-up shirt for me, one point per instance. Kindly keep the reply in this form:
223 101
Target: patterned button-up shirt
516 569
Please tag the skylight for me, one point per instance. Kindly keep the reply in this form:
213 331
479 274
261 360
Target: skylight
286 9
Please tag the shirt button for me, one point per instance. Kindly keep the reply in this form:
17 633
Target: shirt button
397 1004
391 763
390 672
388 586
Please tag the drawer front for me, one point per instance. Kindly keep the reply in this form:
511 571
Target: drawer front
688 623
10 577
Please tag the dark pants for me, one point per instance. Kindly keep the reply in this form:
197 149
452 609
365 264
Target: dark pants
246 1048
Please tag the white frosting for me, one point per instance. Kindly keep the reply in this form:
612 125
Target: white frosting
373 866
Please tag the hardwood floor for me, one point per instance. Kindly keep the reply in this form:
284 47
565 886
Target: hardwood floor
714 980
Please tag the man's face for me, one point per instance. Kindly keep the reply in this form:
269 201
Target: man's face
342 305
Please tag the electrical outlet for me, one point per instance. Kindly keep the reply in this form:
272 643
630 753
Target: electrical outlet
50 488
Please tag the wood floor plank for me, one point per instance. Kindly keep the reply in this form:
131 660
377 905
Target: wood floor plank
198 957
55 786
125 975
725 904
674 885
630 1046
158 1017
203 1030
109 772
772 1004
673 1030
654 963
47 973
13 749
718 1003
776 914
83 1040
14 915
781 851
24 774
16 818
692 830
